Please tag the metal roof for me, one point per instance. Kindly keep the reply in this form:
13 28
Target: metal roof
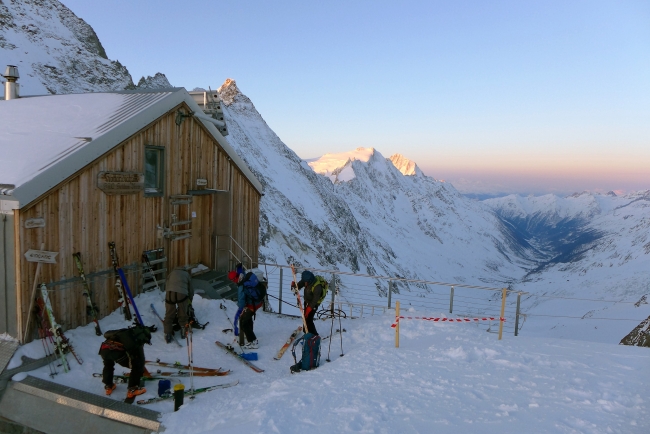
46 139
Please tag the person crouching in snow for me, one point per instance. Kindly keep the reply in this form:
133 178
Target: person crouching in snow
315 291
251 291
126 348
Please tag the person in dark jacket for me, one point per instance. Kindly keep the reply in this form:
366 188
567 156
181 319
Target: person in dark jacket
178 298
126 348
312 297
246 312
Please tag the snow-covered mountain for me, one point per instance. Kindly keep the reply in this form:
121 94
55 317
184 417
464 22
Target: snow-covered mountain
57 52
364 214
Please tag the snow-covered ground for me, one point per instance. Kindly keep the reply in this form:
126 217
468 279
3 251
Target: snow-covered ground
444 378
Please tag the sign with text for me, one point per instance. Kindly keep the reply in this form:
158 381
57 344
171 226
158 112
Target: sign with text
120 182
41 256
37 222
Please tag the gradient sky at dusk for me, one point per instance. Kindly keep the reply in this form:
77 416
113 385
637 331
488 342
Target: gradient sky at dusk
498 96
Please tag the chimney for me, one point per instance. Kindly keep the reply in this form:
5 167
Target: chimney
11 86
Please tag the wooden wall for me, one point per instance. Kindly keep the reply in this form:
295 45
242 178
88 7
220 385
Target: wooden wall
81 218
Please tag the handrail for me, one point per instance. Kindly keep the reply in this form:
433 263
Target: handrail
230 238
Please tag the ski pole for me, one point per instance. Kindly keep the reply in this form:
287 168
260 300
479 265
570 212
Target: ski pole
331 330
188 335
221 306
340 326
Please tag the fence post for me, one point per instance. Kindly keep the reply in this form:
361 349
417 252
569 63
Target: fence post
397 326
280 293
333 286
517 314
451 300
390 291
504 293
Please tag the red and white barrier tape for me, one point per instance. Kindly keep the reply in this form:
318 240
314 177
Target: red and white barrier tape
491 318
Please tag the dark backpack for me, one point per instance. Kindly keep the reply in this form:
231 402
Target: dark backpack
310 353
254 289
141 334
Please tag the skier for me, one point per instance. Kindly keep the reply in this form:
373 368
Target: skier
315 290
125 347
249 299
178 300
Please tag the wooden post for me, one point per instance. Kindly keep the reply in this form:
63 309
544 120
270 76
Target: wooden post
504 293
397 327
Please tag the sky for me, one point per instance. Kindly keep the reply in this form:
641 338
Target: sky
494 97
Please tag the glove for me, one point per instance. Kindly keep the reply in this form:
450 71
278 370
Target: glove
308 311
293 285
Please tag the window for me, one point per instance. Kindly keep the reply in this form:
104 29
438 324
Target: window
154 168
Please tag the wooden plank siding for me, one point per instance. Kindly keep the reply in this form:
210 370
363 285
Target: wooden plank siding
81 218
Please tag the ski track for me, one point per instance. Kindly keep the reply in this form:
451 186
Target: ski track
444 378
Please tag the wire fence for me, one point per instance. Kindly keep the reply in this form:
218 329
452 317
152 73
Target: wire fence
360 295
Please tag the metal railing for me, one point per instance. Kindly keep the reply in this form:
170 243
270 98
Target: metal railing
365 295
244 258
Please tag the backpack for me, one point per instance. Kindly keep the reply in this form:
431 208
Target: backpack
320 280
254 289
310 353
141 334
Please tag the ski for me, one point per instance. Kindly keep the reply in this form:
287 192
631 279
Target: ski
122 300
155 312
288 343
160 375
229 350
90 306
178 365
296 292
187 392
120 272
61 341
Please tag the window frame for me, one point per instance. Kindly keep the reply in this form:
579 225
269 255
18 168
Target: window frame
160 150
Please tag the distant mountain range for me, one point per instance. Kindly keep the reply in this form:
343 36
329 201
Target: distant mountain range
362 212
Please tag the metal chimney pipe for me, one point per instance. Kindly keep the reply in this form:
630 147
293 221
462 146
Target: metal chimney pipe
11 85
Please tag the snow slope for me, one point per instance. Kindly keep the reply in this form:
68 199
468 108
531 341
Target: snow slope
57 52
444 378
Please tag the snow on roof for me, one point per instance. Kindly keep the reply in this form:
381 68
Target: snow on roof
46 139
37 132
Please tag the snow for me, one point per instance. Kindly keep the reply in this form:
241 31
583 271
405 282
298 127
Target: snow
40 130
445 377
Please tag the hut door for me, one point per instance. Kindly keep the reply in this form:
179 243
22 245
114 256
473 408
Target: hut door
221 227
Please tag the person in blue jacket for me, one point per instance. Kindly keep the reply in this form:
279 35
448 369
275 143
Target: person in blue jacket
248 305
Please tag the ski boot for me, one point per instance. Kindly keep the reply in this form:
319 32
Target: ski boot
109 388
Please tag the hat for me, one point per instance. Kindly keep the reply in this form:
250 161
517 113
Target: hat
307 277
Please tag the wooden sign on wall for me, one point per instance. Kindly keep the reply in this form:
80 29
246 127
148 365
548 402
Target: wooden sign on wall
120 182
41 256
37 222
